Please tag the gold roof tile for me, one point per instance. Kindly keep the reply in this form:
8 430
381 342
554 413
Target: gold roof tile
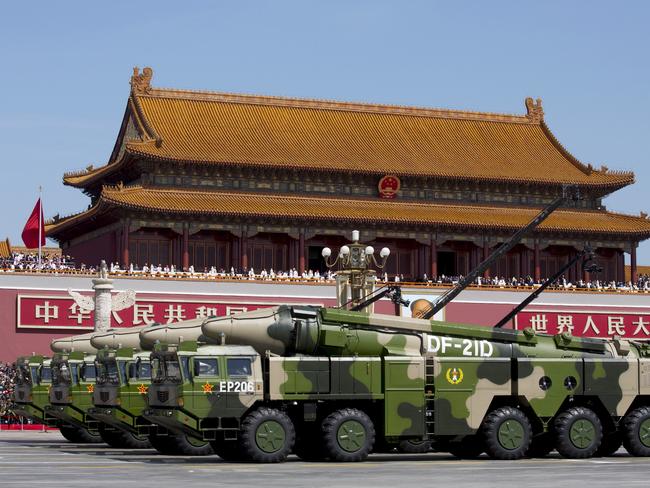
358 211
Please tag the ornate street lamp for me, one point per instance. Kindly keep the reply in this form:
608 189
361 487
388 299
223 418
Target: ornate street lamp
355 280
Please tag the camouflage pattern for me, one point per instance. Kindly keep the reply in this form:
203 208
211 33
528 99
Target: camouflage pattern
457 372
73 383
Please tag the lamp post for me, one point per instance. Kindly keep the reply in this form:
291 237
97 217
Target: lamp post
355 278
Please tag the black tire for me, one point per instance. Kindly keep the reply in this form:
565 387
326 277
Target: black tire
180 445
348 435
469 447
636 432
578 433
541 445
79 435
121 439
414 447
267 436
506 433
611 443
230 451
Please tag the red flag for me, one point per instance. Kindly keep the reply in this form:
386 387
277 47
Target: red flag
33 226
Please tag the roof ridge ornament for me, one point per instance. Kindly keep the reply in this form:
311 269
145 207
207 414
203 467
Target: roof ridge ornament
141 82
534 109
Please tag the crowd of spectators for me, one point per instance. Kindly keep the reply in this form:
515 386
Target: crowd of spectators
28 262
7 382
19 261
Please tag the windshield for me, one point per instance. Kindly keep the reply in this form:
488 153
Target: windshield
61 374
23 376
165 368
139 370
88 372
107 372
46 374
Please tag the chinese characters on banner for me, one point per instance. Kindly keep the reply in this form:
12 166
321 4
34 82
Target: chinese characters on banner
57 312
633 325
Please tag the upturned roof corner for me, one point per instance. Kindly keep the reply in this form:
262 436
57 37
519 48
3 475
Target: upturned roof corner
141 82
534 109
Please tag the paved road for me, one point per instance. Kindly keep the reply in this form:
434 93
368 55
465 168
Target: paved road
30 459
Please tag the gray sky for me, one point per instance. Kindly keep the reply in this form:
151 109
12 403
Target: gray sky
66 67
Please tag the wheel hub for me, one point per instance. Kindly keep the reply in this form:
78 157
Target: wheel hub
582 433
644 432
351 436
511 434
270 436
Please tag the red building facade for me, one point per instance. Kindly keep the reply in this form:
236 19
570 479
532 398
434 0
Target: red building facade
213 179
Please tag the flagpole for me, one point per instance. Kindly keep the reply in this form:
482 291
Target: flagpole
40 215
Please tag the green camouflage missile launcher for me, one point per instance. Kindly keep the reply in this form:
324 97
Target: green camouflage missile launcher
123 379
33 381
330 383
73 382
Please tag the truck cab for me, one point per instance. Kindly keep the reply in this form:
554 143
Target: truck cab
33 382
203 390
73 383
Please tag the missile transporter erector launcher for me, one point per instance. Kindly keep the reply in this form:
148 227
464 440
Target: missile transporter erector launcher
329 383
123 380
33 381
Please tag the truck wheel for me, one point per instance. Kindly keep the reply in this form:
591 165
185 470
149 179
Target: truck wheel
541 445
469 447
414 447
578 433
79 435
267 436
636 432
611 443
121 439
348 435
506 433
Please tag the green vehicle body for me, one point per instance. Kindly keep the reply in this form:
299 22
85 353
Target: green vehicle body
417 380
120 395
73 383
32 391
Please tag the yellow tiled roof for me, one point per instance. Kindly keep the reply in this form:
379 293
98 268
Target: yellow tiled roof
5 249
206 127
355 211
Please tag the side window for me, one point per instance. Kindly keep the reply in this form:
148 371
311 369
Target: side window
144 371
239 367
75 376
88 372
131 370
185 364
206 367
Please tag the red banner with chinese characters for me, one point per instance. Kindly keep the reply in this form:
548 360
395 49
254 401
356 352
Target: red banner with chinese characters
60 312
633 325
